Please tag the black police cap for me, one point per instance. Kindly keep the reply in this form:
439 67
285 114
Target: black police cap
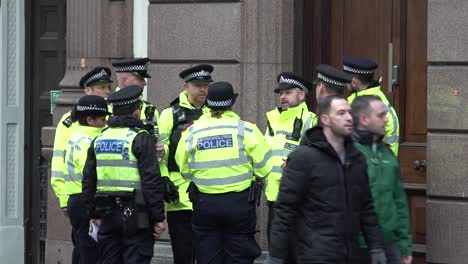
359 65
220 95
200 73
137 66
92 105
126 96
288 80
330 75
95 75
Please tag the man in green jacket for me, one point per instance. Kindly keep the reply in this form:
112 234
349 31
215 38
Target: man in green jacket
370 117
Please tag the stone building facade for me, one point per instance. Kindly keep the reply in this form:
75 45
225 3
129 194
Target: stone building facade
249 42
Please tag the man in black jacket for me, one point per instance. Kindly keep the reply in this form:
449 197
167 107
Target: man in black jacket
325 196
122 184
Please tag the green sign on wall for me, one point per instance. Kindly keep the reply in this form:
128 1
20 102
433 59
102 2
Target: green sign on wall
53 95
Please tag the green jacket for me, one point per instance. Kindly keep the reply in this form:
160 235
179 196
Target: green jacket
389 196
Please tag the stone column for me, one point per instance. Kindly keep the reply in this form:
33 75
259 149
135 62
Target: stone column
248 42
12 25
447 122
97 31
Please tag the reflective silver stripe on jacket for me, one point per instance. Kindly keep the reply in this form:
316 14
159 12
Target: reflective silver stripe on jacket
306 124
277 169
118 183
223 181
393 137
72 175
58 153
117 163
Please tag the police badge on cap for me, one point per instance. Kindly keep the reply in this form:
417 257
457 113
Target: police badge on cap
200 73
288 80
138 66
96 75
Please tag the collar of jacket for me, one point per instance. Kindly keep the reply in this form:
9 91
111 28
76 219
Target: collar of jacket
183 101
226 114
315 137
90 130
125 121
375 90
365 137
290 113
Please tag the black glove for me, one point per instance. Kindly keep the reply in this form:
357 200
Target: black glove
378 256
171 192
272 260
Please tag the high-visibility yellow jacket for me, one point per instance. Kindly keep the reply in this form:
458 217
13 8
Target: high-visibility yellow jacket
392 129
224 154
116 165
64 129
166 129
76 151
278 135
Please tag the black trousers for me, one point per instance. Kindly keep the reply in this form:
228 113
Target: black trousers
180 230
120 242
292 244
224 229
85 248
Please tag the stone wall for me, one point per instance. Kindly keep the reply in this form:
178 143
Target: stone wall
248 42
447 152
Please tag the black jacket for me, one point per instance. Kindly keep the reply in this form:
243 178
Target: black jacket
143 148
328 203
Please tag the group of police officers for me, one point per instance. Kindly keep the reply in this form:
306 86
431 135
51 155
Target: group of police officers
120 170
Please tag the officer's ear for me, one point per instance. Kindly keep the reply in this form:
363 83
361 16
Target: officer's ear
88 90
186 85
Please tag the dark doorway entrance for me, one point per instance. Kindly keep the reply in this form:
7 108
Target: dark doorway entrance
45 67
391 32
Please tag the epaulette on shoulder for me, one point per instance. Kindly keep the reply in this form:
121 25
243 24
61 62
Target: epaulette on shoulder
67 121
175 101
313 115
189 125
136 129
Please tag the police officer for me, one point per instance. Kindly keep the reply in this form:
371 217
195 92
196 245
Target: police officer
330 81
122 184
90 112
132 72
222 155
285 126
189 106
95 82
363 83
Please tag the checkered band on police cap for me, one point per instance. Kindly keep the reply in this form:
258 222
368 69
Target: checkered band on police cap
201 73
226 103
132 68
289 81
96 76
349 69
82 108
329 80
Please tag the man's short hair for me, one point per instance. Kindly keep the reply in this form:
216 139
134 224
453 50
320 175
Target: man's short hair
323 107
361 105
332 89
365 79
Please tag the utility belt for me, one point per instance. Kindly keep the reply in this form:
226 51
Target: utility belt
130 204
254 196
